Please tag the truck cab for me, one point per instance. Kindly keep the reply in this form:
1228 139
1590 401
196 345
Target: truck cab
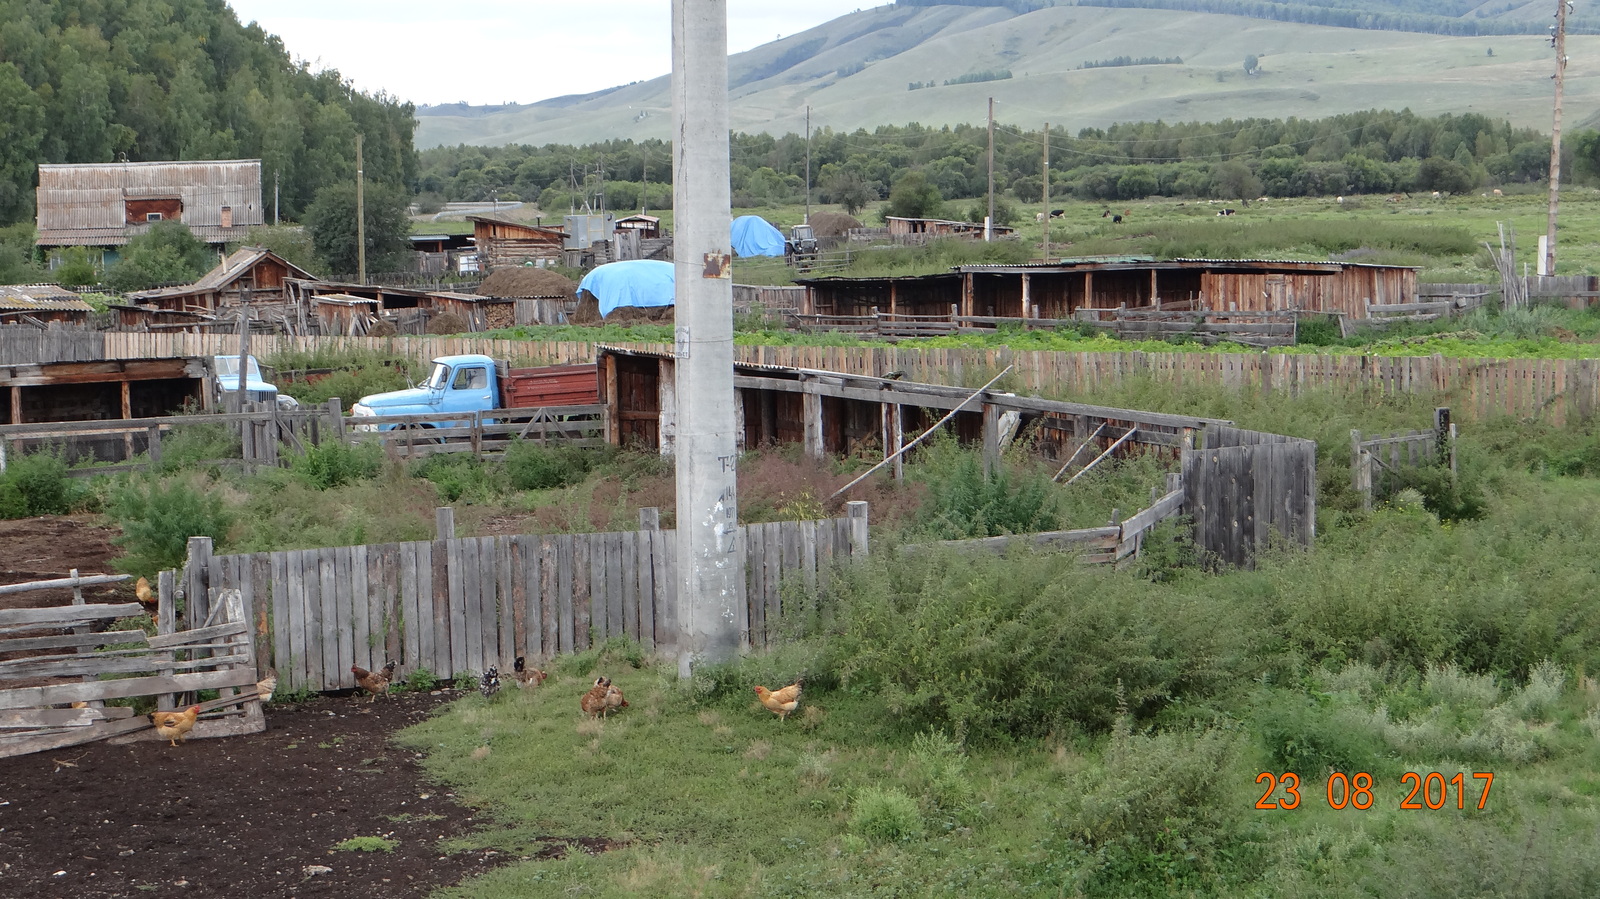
256 389
465 383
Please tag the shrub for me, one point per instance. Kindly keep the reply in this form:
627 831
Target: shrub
458 474
335 464
966 502
1311 736
531 466
192 444
157 523
36 484
885 815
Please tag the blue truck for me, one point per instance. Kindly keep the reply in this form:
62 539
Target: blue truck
473 383
257 390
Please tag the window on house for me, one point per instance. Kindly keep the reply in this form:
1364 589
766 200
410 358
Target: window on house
152 216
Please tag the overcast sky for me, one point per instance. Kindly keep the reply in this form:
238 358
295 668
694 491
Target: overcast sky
502 51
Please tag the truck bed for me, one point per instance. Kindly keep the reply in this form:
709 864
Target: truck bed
550 385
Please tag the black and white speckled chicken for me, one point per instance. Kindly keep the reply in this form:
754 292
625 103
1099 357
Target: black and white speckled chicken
489 684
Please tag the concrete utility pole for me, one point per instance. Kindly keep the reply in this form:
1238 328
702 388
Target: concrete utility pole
361 216
712 619
808 165
1046 192
1559 41
988 222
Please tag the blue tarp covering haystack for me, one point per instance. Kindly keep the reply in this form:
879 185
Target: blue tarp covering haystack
755 236
636 282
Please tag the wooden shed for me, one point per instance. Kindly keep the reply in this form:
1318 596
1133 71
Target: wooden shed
39 304
1058 290
504 243
97 391
154 318
648 227
339 313
106 204
932 229
481 313
260 271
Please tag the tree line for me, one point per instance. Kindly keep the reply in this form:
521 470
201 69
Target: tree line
1377 151
145 80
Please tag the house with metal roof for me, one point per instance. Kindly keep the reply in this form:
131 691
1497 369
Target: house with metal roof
107 204
36 304
255 269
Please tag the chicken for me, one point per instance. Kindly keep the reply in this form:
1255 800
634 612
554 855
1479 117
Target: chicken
147 597
593 702
614 700
781 702
374 682
527 678
175 725
489 684
266 685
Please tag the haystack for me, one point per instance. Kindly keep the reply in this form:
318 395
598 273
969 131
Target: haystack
525 281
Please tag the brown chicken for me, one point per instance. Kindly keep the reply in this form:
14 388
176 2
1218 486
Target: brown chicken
527 678
175 725
614 700
374 682
266 685
593 702
780 702
147 597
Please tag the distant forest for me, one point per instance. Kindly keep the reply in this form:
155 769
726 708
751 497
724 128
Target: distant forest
1366 152
146 80
1454 17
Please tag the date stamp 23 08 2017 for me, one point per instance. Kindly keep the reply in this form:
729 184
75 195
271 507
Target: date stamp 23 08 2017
1432 790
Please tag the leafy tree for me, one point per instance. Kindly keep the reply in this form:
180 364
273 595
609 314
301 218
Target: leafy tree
1447 175
1251 64
849 190
1137 182
75 268
914 197
290 242
1233 179
331 222
16 255
166 253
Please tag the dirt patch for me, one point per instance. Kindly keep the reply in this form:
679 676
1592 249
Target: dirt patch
527 282
242 816
41 549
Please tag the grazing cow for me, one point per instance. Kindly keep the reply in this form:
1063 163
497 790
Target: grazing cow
1226 212
1038 216
1057 213
1116 219
1498 193
1436 195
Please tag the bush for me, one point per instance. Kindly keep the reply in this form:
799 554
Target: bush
157 523
37 484
458 474
1310 736
335 464
967 503
885 815
534 467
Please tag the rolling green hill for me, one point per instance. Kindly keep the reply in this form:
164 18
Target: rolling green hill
855 71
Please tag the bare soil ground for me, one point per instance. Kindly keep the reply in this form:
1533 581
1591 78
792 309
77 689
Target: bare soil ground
242 816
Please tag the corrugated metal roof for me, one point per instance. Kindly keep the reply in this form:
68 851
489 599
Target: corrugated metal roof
26 297
84 204
226 272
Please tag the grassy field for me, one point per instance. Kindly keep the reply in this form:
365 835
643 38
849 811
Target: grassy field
991 726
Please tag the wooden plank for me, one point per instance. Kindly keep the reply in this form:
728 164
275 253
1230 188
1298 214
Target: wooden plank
64 616
15 718
74 737
434 603
567 615
526 594
788 591
207 634
645 597
755 584
356 632
123 688
513 602
303 568
616 624
549 596
505 634
405 611
773 579
582 591
628 565
460 628
93 665
104 638
336 672
383 583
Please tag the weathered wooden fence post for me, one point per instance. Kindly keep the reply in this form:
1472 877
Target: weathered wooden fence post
1360 471
1444 438
857 511
444 523
197 582
652 590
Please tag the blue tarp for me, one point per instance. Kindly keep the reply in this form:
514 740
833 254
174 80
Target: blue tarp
755 236
637 282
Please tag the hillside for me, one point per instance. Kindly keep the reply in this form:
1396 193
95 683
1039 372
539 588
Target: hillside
854 72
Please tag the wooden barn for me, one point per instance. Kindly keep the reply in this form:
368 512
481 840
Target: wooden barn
648 227
98 391
1058 290
837 414
41 304
502 243
260 271
339 313
106 204
933 229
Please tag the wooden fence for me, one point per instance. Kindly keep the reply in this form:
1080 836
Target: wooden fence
1247 489
1265 329
1398 450
1557 391
457 605
217 654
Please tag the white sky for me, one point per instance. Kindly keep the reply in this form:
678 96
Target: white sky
502 51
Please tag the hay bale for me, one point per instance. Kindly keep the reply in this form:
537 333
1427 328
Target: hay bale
833 224
448 323
383 328
525 281
588 313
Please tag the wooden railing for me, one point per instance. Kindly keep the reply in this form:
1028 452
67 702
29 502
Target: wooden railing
1250 328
